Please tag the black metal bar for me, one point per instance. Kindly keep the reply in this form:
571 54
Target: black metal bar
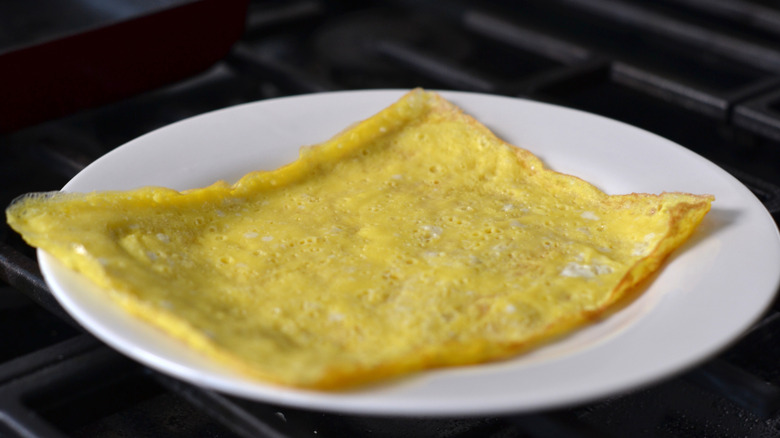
23 423
642 19
22 377
259 65
265 16
507 32
733 383
53 397
766 192
668 90
555 424
752 90
491 24
22 272
431 66
748 13
760 115
595 68
567 74
47 356
267 424
64 161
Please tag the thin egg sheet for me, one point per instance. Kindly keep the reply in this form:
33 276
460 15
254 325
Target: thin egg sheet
413 240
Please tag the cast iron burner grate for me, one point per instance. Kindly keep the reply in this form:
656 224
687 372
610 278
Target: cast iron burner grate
705 74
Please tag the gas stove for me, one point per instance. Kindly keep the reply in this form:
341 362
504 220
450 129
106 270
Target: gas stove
705 74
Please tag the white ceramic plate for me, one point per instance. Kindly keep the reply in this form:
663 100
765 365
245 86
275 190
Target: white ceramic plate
710 291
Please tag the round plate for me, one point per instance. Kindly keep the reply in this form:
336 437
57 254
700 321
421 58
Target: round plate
709 292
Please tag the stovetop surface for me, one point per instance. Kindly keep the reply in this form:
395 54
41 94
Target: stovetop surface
703 74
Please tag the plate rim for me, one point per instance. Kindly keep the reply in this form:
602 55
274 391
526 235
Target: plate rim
327 401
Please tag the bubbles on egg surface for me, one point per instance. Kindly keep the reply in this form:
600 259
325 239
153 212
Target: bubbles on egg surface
454 220
589 215
583 270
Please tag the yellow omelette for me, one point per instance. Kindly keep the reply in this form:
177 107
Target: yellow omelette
413 240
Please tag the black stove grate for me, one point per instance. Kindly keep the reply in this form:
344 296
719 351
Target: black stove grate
705 74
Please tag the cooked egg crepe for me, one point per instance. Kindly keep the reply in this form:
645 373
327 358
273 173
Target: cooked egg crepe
415 239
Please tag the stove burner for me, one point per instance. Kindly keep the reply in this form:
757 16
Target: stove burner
721 100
